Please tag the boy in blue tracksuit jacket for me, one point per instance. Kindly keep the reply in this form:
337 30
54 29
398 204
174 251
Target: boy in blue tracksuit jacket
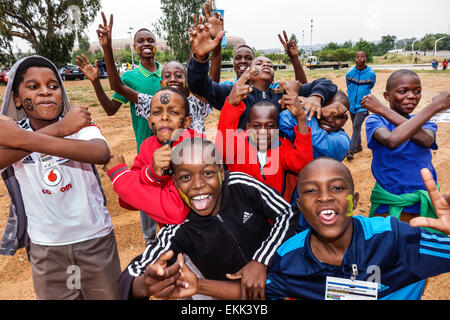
360 81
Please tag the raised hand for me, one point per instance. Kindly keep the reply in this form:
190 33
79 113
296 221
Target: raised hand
253 280
162 158
290 46
372 104
200 39
85 67
104 32
241 88
187 284
443 99
441 205
215 20
291 87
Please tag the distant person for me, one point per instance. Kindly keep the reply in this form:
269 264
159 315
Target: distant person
415 59
444 64
360 81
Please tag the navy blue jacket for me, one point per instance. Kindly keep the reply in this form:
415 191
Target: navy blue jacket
216 93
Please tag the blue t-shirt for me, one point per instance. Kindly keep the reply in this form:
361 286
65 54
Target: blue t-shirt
398 170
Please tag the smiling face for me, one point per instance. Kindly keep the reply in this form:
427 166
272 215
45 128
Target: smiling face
243 58
198 179
323 187
263 122
174 75
167 114
263 70
145 44
404 93
40 95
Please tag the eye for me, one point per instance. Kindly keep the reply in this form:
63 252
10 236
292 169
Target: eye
337 188
156 112
208 173
308 190
185 178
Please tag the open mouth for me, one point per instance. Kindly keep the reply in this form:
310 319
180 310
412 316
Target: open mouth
201 202
147 50
328 217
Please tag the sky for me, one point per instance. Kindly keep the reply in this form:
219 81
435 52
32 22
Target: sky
260 21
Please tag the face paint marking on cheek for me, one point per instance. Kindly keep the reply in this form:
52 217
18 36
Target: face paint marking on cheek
28 104
154 50
349 205
165 98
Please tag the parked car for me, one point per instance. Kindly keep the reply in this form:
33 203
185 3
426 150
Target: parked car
70 72
4 75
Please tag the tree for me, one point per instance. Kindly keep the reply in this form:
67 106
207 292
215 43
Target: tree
368 47
387 43
49 26
175 23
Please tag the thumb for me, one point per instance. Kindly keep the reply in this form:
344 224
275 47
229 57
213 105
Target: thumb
218 38
235 276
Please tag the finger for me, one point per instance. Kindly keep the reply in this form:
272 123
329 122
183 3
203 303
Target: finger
105 23
282 41
194 16
96 64
205 10
285 36
111 19
422 222
234 276
166 256
432 189
244 295
210 8
245 76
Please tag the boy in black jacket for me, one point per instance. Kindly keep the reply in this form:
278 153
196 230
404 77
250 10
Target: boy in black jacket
227 230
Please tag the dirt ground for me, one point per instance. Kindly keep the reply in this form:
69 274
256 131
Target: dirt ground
15 272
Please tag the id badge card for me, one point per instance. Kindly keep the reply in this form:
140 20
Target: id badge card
347 289
441 117
50 161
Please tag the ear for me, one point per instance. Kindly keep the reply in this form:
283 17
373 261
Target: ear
355 199
17 102
247 125
299 204
187 122
386 96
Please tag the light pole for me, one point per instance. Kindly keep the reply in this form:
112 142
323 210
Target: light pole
132 49
310 49
412 49
435 44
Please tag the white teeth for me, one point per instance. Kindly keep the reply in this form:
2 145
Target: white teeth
328 212
201 197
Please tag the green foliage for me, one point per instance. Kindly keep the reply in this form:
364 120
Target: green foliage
368 47
49 26
173 25
227 53
387 43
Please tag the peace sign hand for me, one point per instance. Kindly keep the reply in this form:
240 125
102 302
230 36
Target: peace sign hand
241 89
104 32
289 45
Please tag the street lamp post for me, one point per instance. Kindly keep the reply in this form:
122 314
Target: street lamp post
435 44
132 49
412 49
310 50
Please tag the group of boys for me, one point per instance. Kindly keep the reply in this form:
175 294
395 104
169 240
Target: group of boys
228 229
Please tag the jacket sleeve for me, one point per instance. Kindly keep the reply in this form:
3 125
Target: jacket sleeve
321 87
333 145
165 241
287 124
423 253
226 137
201 85
161 203
296 158
285 221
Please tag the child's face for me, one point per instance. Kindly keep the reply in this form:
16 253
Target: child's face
261 126
199 183
174 75
323 189
404 94
145 44
263 69
243 59
40 94
167 114
360 59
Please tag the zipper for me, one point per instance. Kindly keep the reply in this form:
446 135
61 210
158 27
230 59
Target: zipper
264 95
231 234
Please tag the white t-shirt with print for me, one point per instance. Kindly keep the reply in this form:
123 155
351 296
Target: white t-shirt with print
63 200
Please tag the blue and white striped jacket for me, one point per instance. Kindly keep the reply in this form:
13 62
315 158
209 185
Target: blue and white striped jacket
359 84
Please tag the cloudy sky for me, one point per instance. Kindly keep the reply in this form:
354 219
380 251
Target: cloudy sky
259 21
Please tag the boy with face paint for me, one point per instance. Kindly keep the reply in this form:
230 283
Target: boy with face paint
227 229
47 160
317 92
173 74
258 151
349 248
147 185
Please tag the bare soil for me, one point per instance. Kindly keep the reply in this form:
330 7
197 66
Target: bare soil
15 272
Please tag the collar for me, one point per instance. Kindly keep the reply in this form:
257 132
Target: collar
146 73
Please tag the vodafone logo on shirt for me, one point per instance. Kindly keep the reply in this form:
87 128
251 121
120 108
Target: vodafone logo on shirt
52 177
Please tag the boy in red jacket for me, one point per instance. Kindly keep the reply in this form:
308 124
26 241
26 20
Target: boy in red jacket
258 151
148 186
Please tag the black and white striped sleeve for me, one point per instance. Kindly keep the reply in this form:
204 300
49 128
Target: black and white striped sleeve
273 207
165 241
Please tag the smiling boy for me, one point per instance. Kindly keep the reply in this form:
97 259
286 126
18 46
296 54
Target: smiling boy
227 229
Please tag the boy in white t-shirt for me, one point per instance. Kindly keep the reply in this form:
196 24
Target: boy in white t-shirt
47 158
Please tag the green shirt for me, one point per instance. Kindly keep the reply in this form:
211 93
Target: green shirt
140 80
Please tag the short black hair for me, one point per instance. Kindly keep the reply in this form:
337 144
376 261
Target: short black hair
203 144
394 76
181 94
245 46
265 104
177 62
30 63
365 53
341 94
